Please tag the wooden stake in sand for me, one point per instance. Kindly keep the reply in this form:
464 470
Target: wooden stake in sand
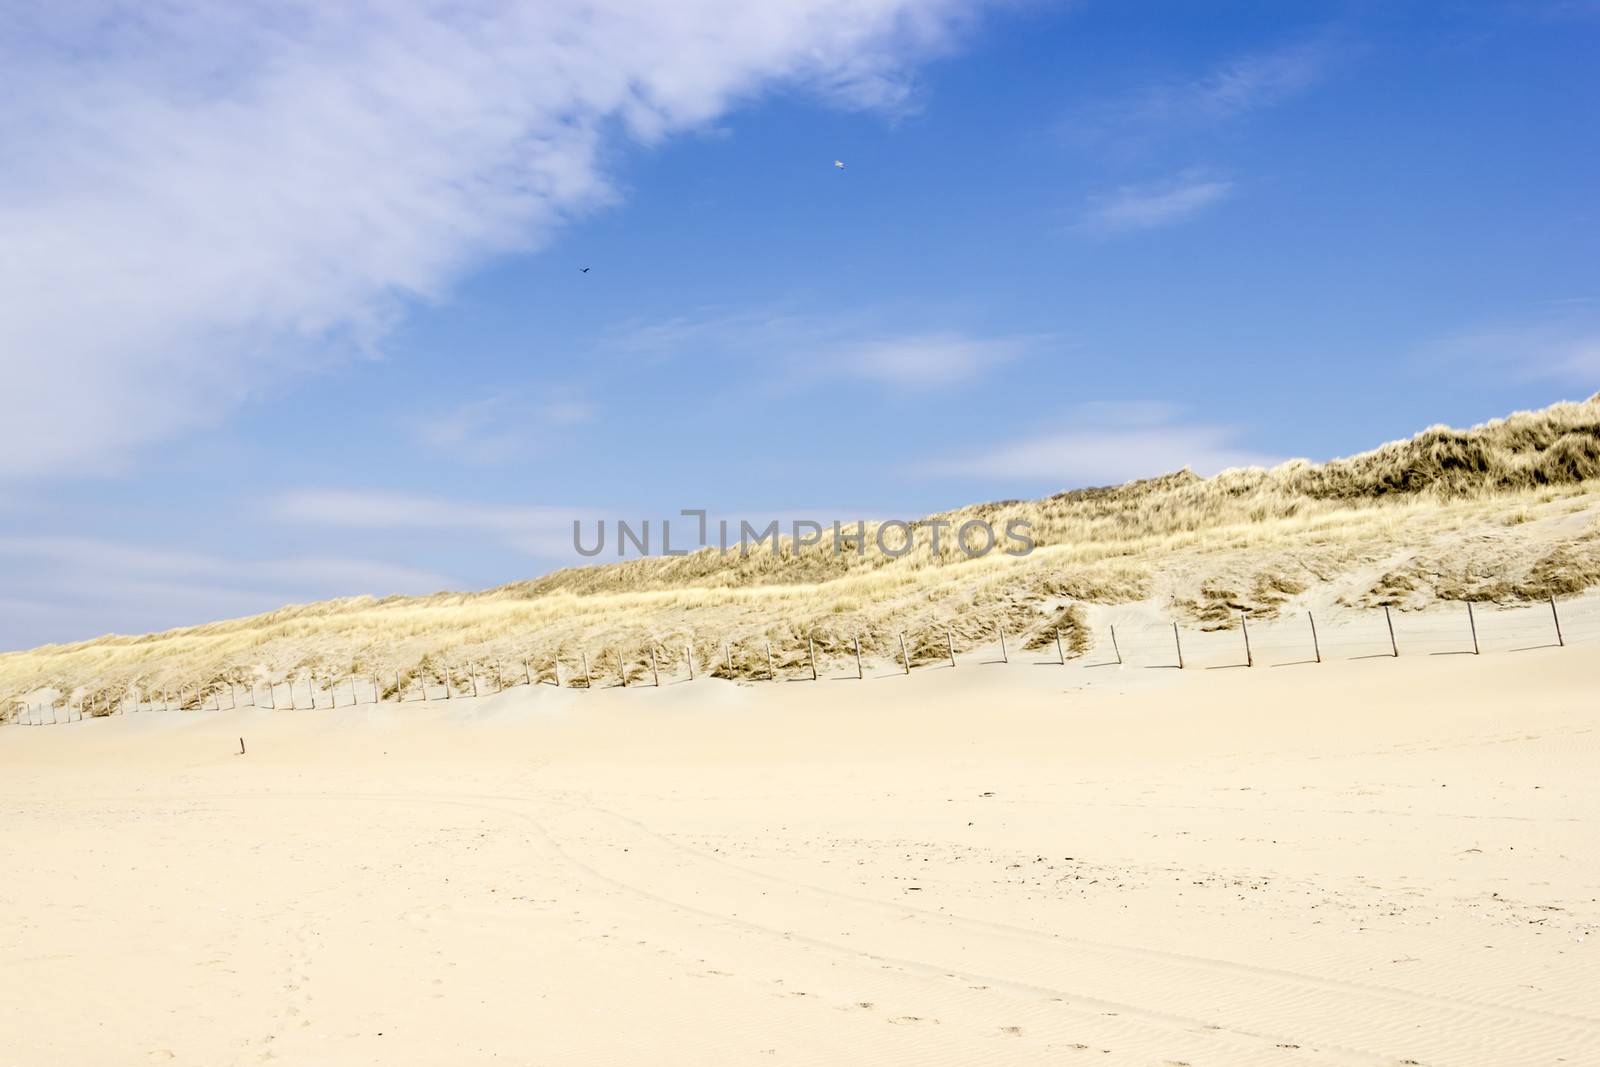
812 648
655 672
1394 649
772 675
859 675
588 682
1244 627
1560 641
1474 624
727 655
1114 646
1179 644
241 746
1315 646
527 675
1004 656
622 668
1060 655
688 657
904 657
472 674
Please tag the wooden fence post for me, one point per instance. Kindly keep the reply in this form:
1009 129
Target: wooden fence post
472 676
1315 646
1561 642
950 645
655 672
1115 647
688 655
772 675
1394 648
859 675
1178 642
1005 657
811 646
1060 655
1244 626
904 657
1472 622
588 681
622 668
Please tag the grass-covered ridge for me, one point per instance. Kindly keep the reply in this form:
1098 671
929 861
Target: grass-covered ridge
1504 511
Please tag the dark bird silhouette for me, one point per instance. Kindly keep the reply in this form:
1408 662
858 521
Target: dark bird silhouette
583 270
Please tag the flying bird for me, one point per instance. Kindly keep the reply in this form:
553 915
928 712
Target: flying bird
583 270
839 163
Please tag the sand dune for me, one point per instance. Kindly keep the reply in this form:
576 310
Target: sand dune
1504 513
1370 861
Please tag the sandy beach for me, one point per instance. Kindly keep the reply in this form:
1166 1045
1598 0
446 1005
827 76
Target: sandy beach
1365 862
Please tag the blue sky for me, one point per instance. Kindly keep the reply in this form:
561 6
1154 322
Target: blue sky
290 304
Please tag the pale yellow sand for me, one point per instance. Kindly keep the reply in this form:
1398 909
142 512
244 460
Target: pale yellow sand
1368 862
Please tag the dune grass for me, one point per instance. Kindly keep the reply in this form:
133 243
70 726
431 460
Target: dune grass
1504 511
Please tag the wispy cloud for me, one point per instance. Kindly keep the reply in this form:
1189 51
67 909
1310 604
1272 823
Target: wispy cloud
1101 444
1232 90
927 361
1153 205
1560 342
1241 85
504 426
69 588
852 345
538 530
200 200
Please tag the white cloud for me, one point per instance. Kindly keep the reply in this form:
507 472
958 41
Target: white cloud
1109 444
1146 207
113 557
200 199
854 345
70 588
503 426
925 361
538 530
1245 84
1230 91
1562 344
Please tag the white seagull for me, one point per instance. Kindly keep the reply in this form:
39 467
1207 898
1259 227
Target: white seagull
839 163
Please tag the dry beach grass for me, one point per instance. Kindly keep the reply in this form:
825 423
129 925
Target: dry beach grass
1504 512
